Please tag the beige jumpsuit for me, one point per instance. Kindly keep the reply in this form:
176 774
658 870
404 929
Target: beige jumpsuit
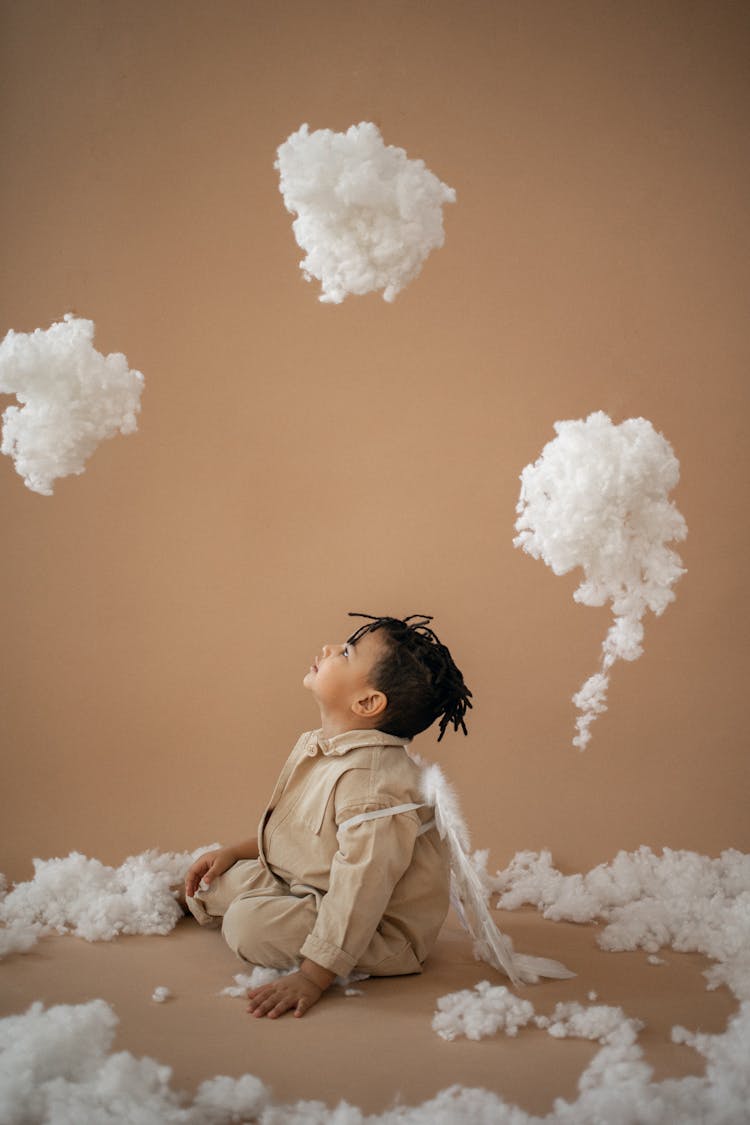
347 892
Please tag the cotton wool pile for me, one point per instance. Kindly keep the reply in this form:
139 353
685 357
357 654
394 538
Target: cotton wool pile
598 498
367 215
72 398
84 897
679 899
57 1068
484 1010
481 1011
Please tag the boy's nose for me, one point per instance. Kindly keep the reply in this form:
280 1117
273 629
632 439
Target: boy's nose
328 650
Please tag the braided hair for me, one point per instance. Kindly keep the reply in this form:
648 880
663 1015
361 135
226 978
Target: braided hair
417 675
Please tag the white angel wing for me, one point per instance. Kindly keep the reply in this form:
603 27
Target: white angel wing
468 893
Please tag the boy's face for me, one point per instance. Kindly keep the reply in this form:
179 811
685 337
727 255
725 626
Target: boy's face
341 676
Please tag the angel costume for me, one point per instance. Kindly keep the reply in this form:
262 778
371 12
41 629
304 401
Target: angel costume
361 850
352 871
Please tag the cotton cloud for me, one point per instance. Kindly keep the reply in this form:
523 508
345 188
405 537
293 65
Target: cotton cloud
604 1022
367 215
598 498
679 899
87 898
18 939
56 1067
481 1011
72 398
486 1009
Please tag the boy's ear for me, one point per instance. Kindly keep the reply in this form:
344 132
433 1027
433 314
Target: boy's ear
371 705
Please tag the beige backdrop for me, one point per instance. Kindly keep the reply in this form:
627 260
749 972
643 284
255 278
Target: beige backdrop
297 460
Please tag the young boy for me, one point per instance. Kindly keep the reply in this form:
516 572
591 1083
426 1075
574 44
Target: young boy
348 872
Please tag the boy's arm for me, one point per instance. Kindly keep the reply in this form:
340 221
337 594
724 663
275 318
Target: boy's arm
247 849
371 859
298 990
317 974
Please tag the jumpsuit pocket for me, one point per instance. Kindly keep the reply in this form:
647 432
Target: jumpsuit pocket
316 804
314 815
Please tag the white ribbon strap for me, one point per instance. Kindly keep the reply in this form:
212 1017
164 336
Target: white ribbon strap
376 814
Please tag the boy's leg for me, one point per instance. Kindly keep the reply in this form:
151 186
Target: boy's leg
209 907
261 921
269 929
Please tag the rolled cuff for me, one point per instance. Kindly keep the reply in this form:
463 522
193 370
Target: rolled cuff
197 908
329 956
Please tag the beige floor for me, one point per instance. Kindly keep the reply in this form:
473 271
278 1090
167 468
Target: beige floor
379 1047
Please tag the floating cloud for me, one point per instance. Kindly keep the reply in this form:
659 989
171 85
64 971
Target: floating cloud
72 397
598 498
367 215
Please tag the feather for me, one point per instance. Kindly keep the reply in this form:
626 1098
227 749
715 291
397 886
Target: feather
469 895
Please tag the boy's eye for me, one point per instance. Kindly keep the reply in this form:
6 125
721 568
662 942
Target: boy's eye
346 650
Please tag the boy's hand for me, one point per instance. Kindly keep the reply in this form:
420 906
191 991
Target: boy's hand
207 867
293 991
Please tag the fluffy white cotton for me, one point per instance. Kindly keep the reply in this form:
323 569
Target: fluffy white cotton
481 1011
598 498
72 397
603 1022
84 897
487 1009
726 1087
17 939
367 215
161 993
228 1101
55 1068
734 973
254 979
680 899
